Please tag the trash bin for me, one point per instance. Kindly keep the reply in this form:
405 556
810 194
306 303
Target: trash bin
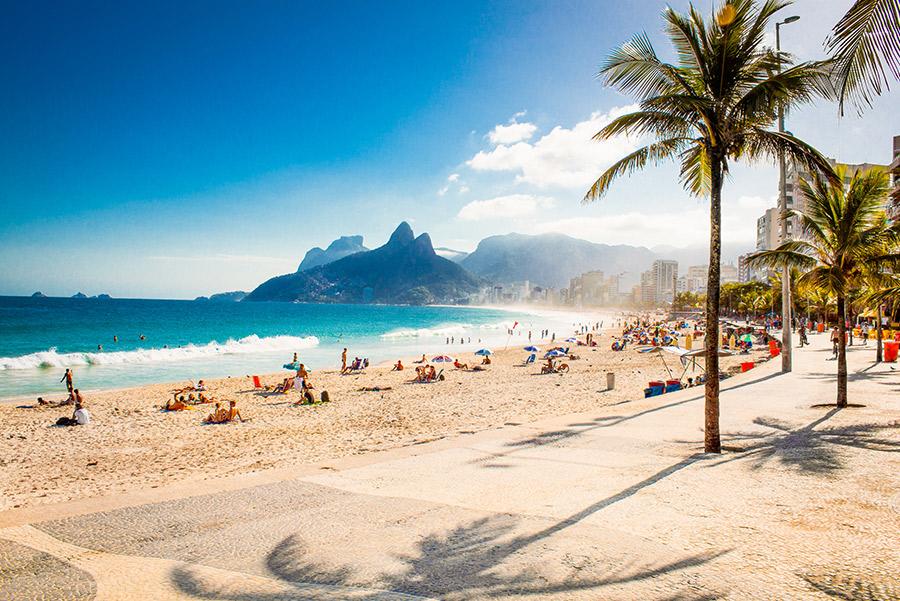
890 351
610 380
820 327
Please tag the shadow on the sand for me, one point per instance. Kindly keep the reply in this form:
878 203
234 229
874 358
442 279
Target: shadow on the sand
467 562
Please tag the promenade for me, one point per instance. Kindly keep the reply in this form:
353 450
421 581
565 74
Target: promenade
620 503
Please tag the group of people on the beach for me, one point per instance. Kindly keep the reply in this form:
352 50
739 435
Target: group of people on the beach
80 416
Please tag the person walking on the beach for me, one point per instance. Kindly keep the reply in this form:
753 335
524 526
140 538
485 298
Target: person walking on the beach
344 361
864 332
67 378
803 340
835 338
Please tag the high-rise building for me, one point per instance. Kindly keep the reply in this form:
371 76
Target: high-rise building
696 278
747 273
665 275
767 228
728 273
893 202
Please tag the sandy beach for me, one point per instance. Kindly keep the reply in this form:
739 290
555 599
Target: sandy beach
133 445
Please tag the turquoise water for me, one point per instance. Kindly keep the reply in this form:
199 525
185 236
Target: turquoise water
40 337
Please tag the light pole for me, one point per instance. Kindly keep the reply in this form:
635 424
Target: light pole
782 203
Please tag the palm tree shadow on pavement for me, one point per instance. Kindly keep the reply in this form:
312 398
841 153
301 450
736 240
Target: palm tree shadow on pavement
479 559
809 448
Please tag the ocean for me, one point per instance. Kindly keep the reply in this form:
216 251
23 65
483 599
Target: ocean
189 340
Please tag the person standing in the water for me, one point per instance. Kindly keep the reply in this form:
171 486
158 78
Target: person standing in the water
67 378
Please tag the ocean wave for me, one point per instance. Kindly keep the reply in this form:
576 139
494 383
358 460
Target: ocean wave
249 344
451 329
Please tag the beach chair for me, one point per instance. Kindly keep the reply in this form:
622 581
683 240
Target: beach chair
256 382
530 359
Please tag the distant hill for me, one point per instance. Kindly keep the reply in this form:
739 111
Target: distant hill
224 297
39 294
102 297
448 253
406 270
551 259
340 248
79 295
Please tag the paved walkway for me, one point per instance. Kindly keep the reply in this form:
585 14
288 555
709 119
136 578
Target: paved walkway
621 504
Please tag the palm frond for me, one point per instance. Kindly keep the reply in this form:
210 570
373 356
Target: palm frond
655 153
862 44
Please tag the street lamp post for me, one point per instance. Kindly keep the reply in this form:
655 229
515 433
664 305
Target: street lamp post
782 204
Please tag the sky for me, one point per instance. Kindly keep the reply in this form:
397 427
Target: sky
173 149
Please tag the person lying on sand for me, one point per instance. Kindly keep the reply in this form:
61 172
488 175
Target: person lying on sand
177 404
398 366
422 360
459 365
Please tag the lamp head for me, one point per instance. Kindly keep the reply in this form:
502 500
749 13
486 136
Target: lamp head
791 19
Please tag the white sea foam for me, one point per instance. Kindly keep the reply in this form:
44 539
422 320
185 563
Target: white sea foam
450 329
249 344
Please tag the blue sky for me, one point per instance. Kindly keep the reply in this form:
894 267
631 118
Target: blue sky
172 149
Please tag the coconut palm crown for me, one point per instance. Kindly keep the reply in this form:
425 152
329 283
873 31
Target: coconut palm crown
846 241
717 103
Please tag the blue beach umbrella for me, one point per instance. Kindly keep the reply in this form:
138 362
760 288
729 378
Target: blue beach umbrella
571 340
484 352
555 354
532 349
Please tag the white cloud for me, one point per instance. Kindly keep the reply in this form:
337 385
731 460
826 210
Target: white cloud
565 157
513 205
443 190
463 189
512 133
453 177
685 227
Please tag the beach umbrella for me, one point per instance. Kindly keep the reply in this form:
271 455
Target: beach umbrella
442 359
571 340
532 349
484 352
555 354
291 366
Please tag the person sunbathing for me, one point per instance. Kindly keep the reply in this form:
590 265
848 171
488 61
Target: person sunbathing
486 360
420 374
284 386
177 404
398 366
233 412
217 416
422 360
459 365
432 374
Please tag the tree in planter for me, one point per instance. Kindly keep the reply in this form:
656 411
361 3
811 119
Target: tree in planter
849 238
714 105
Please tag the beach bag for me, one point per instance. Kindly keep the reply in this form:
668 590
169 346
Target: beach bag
65 421
325 397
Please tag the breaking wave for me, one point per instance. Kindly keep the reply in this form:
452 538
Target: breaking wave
444 330
249 344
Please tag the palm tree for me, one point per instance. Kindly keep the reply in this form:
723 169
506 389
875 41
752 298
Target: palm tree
862 43
715 105
847 238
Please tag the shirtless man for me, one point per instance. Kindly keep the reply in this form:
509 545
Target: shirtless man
344 361
67 378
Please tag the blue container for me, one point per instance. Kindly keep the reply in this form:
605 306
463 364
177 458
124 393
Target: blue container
653 391
673 387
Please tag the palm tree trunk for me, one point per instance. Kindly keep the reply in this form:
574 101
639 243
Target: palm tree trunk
842 354
712 442
878 356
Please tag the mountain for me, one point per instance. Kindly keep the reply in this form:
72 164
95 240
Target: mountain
102 297
79 295
551 259
224 297
39 294
340 248
448 253
406 270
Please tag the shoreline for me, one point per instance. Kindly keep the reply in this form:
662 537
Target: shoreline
132 444
383 342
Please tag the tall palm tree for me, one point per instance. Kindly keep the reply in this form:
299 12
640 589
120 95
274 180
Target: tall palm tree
862 44
716 104
847 237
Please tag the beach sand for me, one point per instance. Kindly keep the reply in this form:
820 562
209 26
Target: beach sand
133 445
